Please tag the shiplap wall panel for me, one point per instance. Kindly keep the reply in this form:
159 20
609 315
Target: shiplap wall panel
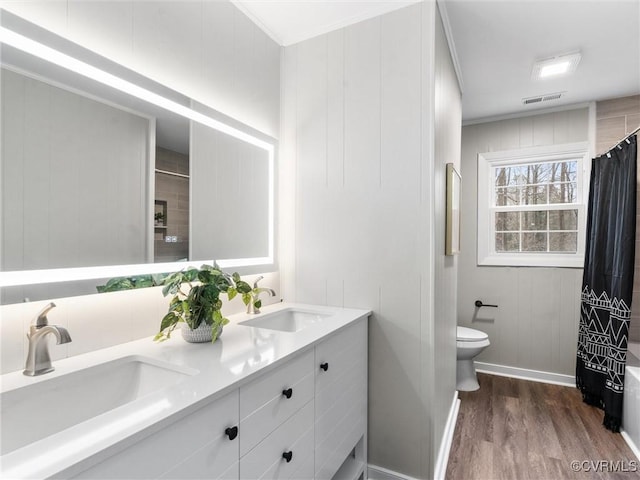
362 106
535 326
352 106
80 160
335 109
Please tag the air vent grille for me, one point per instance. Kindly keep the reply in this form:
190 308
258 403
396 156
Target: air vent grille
543 98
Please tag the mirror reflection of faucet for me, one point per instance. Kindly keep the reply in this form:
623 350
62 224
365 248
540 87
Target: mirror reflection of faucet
255 303
38 359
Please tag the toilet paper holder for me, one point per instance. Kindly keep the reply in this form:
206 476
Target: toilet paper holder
478 303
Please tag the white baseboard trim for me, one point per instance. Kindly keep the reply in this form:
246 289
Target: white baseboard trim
378 473
447 439
632 445
526 374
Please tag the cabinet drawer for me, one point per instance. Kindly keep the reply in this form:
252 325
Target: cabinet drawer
159 453
270 386
263 404
295 435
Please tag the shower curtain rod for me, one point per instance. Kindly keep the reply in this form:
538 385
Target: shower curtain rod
621 140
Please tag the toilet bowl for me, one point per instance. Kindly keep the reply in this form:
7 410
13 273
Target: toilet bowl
469 344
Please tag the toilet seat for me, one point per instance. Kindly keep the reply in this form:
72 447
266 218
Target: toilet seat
465 334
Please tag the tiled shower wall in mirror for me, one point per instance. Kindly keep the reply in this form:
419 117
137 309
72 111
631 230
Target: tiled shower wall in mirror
171 230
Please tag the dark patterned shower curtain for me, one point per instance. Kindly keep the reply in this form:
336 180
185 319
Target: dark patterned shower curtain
607 283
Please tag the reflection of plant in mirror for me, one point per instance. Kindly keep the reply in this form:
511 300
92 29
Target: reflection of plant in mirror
201 302
128 283
159 217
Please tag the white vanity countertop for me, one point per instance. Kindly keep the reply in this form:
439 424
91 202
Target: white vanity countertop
234 359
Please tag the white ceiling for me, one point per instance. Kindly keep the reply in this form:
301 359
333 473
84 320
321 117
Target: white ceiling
496 43
292 21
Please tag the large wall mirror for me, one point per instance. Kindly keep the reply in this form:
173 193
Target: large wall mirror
106 173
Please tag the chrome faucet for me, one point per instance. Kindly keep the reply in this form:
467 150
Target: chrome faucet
252 308
38 359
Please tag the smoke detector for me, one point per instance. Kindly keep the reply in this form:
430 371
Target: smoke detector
543 98
557 66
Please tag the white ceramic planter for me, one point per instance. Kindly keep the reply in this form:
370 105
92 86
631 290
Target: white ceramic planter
201 334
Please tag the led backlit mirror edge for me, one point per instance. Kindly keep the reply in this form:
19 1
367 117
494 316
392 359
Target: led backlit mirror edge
14 31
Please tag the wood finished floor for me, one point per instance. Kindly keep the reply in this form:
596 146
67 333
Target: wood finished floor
515 429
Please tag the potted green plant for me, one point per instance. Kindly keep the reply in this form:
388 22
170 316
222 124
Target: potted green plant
159 218
196 302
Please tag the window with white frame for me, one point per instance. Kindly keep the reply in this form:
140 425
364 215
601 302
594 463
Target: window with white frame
531 206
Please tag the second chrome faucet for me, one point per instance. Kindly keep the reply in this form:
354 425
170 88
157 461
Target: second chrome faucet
254 304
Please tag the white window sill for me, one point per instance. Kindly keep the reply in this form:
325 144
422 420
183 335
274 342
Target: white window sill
532 260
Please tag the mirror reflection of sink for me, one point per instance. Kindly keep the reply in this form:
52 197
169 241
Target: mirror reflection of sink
288 320
36 411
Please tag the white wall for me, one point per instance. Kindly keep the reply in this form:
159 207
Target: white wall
536 324
206 49
357 174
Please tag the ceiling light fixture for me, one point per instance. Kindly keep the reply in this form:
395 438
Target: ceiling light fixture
556 66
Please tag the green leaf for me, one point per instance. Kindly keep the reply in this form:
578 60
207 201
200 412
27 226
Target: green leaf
231 293
257 303
236 277
243 287
246 298
168 320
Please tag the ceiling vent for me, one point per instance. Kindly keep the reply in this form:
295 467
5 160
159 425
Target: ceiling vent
543 98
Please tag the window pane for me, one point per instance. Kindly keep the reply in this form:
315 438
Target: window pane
542 172
534 195
563 193
507 176
535 173
563 242
507 242
506 221
563 220
534 220
534 242
507 196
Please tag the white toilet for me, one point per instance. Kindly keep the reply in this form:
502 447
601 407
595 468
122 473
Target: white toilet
469 343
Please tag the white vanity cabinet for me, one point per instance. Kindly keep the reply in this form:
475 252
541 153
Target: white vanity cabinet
303 418
196 446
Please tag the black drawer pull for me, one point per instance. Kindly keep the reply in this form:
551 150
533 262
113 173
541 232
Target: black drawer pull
287 456
231 432
287 392
324 366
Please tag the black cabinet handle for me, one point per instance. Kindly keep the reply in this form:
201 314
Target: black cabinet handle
287 456
287 392
231 432
324 366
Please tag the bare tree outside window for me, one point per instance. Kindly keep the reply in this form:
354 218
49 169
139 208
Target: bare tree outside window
528 198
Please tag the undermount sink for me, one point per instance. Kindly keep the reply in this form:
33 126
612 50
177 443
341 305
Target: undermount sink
36 411
288 320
